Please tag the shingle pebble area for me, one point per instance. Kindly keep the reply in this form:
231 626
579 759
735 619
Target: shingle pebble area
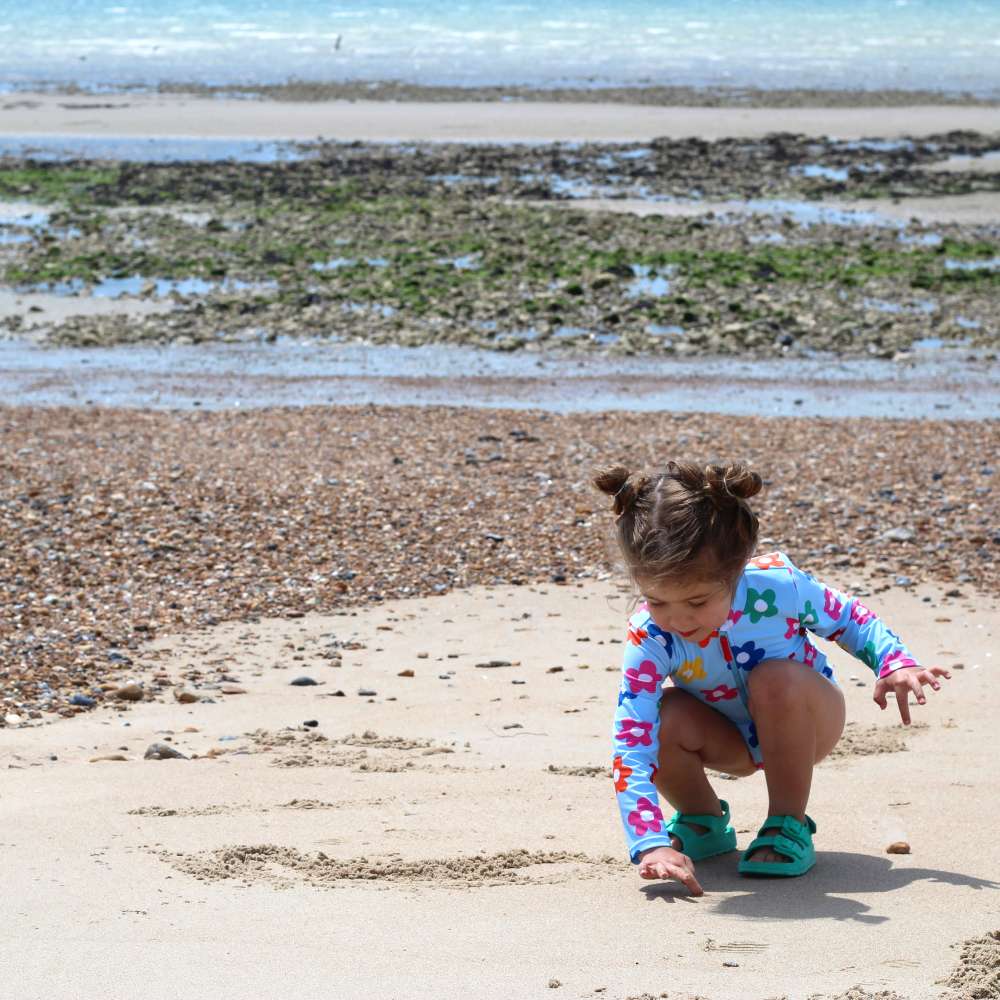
118 525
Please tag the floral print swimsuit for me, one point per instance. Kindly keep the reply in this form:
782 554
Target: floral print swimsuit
774 606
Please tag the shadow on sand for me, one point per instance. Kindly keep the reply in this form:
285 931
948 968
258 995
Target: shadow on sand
819 894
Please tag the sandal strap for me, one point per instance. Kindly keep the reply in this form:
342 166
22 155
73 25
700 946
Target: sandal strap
703 819
789 823
793 838
780 844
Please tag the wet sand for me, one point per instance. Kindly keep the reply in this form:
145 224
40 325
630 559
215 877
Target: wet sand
935 384
178 115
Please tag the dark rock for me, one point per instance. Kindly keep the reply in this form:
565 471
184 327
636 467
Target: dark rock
303 682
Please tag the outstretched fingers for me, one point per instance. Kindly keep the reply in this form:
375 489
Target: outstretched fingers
683 872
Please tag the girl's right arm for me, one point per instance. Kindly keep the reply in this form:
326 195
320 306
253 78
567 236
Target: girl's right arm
646 664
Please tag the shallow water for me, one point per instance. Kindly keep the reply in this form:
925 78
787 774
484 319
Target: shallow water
939 384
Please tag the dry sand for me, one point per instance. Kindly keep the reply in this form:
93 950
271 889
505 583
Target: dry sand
177 115
455 836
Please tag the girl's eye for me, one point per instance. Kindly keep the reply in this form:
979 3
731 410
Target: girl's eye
701 605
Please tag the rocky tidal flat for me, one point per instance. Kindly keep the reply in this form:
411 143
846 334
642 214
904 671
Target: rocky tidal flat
483 245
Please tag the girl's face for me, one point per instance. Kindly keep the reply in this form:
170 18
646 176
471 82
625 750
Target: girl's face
690 609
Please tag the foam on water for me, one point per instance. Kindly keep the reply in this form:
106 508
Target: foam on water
934 44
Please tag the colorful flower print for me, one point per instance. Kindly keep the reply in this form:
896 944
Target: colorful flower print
809 616
646 817
793 627
860 614
760 604
809 656
714 634
643 678
747 656
720 693
620 772
894 661
832 604
752 736
624 696
634 732
652 774
636 635
869 656
665 639
734 616
835 636
827 671
770 560
691 670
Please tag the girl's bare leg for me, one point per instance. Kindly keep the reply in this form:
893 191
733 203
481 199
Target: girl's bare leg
693 737
799 717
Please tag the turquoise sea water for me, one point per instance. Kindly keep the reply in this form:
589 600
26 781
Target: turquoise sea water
948 45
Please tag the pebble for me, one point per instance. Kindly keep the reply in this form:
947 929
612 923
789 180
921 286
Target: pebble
898 847
12 720
366 692
898 535
162 751
232 689
303 682
129 692
311 723
495 663
84 700
405 673
419 557
185 697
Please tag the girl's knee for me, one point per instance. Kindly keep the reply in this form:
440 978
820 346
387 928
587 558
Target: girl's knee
677 716
773 683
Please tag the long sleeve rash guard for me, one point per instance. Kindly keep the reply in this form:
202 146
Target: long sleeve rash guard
774 607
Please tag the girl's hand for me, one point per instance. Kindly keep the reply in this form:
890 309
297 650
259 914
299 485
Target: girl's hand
905 680
665 862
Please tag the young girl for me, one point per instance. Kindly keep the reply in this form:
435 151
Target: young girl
749 691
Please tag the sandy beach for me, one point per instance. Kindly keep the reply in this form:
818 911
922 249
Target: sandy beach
449 805
429 812
26 114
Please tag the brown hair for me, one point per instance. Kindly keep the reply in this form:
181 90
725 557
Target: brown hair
688 520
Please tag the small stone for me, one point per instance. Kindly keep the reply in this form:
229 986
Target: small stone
311 723
898 847
184 696
903 581
731 965
84 700
898 535
303 682
422 656
162 751
513 725
12 720
129 692
405 673
494 663
108 756
554 670
366 692
232 689
554 984
954 592
191 729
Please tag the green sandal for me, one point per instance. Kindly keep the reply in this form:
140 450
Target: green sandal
719 838
792 839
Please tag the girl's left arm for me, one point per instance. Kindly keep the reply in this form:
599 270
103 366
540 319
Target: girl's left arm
843 619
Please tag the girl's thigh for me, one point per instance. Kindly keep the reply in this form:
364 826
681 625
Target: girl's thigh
694 726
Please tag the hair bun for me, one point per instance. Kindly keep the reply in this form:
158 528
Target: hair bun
615 482
727 485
